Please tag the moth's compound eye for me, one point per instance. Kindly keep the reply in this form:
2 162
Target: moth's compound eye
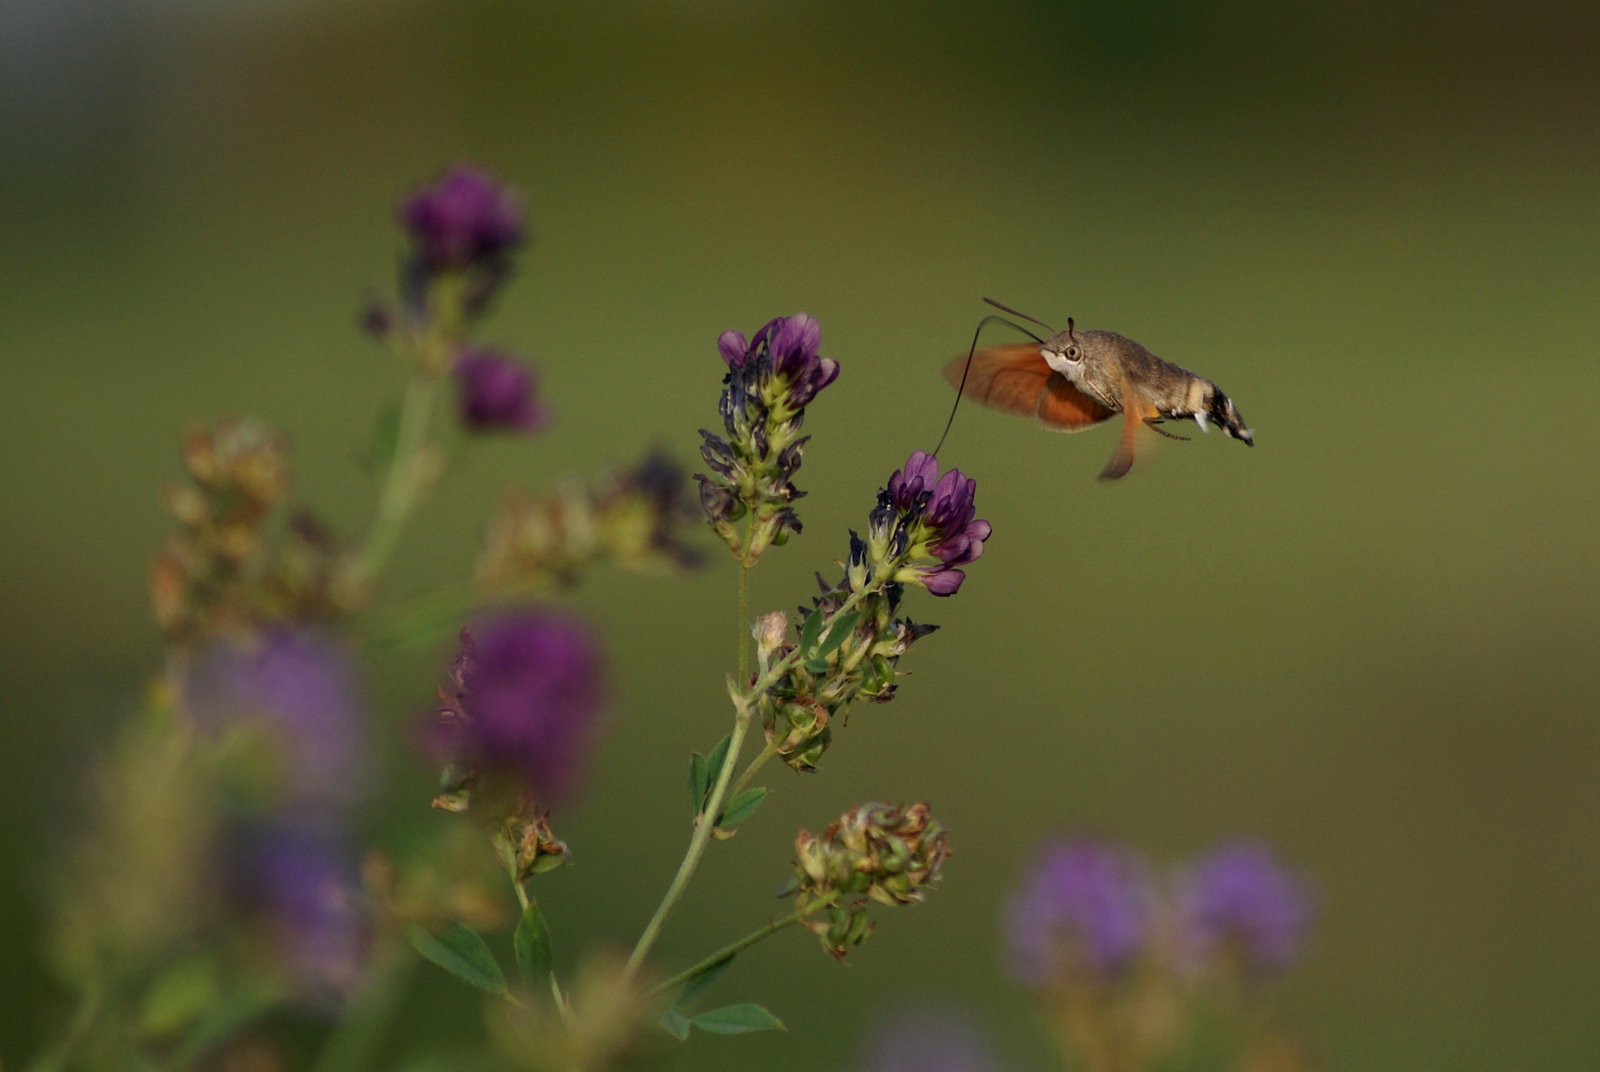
1073 353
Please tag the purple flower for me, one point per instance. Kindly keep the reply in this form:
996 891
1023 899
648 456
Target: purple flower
464 219
789 346
303 881
927 1039
497 393
1083 909
732 346
1240 896
944 509
528 692
299 686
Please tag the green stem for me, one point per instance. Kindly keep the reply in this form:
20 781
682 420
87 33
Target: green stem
708 821
405 482
697 843
738 947
744 623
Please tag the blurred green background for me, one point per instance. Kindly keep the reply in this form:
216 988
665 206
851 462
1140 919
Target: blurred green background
1371 640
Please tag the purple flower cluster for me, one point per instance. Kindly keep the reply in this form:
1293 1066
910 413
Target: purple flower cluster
528 691
299 688
291 860
464 220
1084 909
497 393
771 379
305 879
787 345
1240 897
939 519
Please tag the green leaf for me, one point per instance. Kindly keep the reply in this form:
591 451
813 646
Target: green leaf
697 781
810 629
838 634
531 943
224 1019
696 986
742 806
459 951
179 996
817 667
737 1020
674 1024
714 762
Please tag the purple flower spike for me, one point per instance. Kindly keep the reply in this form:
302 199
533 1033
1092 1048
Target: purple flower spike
928 1039
305 881
794 357
301 688
497 393
1240 896
529 695
943 508
1083 910
463 219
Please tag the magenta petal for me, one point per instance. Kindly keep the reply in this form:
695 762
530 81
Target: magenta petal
944 582
732 346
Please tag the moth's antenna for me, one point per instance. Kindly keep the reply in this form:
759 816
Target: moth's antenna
974 349
1025 316
1070 335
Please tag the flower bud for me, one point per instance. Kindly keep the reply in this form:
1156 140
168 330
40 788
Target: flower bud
770 631
496 394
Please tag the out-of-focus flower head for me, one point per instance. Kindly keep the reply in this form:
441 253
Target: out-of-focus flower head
292 697
928 524
497 393
523 710
1240 899
464 219
927 1039
635 518
770 381
304 881
874 852
1081 914
202 582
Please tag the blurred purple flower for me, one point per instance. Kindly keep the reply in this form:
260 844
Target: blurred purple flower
927 1039
1083 909
947 513
300 686
1239 896
464 219
303 880
528 693
496 393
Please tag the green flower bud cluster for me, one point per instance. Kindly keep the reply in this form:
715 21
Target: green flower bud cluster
634 518
852 658
875 852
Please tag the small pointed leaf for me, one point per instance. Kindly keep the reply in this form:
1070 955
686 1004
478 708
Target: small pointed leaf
532 946
737 1020
674 1024
714 761
817 667
838 634
461 952
742 806
697 781
810 629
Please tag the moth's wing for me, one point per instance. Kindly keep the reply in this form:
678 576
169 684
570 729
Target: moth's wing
1135 408
1064 408
1009 378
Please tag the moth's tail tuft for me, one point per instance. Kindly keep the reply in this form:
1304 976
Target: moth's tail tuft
1227 418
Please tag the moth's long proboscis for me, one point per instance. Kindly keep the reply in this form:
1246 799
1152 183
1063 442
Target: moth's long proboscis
974 349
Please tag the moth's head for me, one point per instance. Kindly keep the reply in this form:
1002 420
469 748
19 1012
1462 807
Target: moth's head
1065 350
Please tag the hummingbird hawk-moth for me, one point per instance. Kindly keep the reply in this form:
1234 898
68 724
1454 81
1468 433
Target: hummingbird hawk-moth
1077 379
